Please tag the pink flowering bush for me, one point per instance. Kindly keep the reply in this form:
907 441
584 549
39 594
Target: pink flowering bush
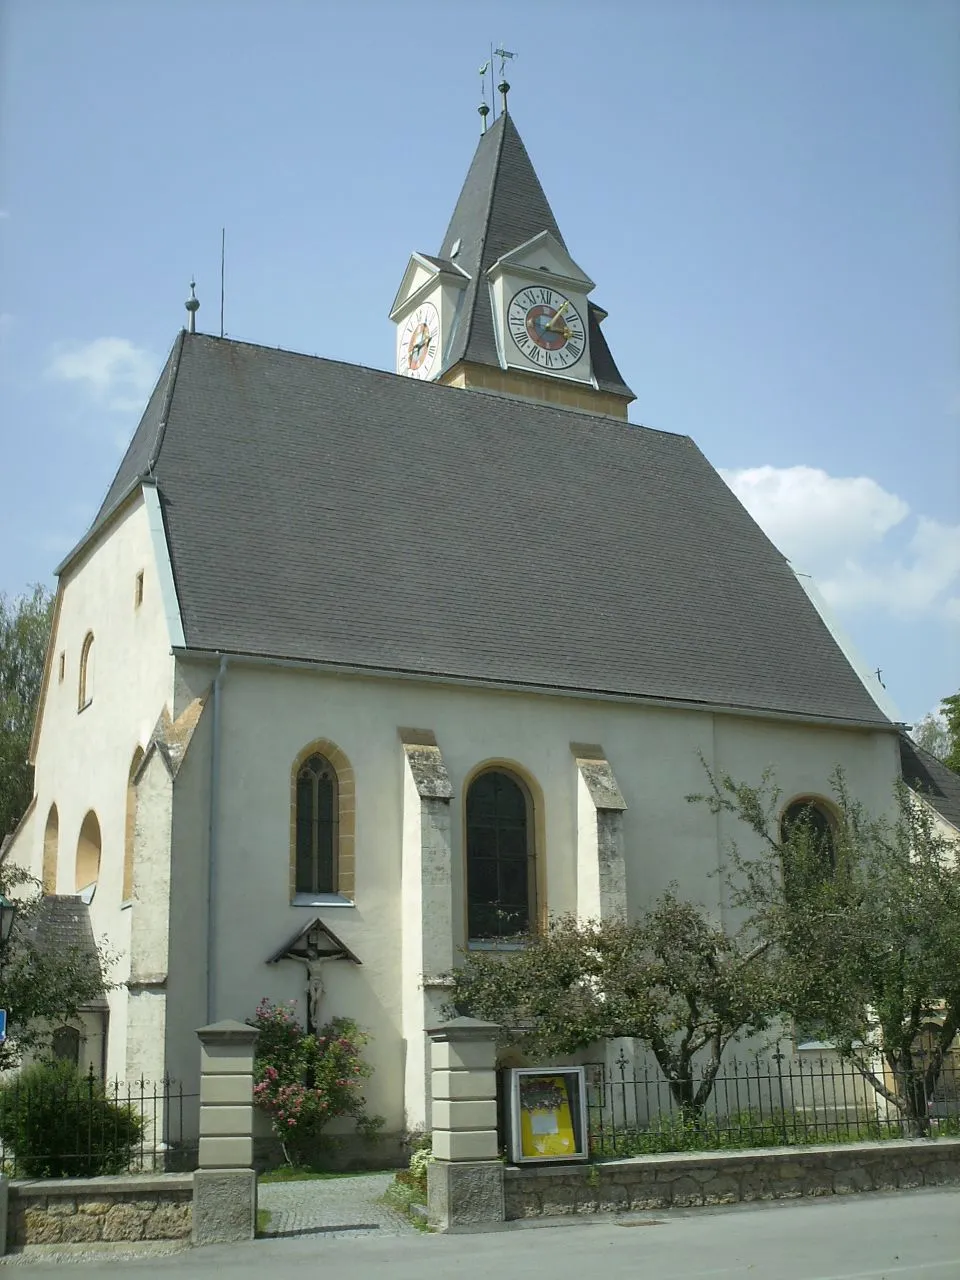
303 1081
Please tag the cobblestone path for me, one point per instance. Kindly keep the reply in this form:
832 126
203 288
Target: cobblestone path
331 1207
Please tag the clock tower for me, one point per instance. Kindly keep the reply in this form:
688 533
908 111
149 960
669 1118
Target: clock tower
503 306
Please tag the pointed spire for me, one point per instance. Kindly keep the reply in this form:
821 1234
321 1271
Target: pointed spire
501 205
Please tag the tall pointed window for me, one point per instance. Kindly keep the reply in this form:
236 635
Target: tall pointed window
51 850
86 672
501 866
317 826
808 822
88 854
130 827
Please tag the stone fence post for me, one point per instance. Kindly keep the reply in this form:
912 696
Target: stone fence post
225 1183
465 1177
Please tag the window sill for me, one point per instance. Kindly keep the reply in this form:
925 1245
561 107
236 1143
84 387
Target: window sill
321 900
493 944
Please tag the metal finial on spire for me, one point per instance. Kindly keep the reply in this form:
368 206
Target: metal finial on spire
483 108
193 306
504 88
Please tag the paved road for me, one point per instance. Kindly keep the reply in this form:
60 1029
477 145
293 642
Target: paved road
910 1235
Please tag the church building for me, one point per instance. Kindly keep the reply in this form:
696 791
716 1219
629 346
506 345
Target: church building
356 670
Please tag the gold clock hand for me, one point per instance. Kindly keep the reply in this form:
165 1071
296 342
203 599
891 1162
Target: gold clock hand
557 315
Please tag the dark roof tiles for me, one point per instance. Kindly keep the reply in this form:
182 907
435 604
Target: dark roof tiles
932 779
332 513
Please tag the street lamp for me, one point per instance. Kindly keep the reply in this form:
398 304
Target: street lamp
8 912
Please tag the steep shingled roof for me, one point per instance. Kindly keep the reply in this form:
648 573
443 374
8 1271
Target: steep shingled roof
501 206
62 924
938 785
332 513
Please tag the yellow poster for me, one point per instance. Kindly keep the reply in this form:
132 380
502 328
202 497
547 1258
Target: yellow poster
546 1125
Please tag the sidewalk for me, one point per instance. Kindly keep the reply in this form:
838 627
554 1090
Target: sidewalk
332 1207
906 1235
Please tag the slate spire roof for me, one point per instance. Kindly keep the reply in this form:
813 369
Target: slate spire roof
501 206
352 518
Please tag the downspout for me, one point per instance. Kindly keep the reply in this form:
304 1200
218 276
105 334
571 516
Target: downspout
213 842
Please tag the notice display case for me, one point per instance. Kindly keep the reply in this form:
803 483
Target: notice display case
547 1109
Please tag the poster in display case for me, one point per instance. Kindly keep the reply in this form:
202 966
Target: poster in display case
548 1114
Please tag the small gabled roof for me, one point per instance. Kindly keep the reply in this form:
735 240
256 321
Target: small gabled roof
502 206
61 926
315 941
931 779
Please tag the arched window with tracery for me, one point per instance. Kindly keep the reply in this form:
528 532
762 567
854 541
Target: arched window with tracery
86 672
51 850
317 826
501 857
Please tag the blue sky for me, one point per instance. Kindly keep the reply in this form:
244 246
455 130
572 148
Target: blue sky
766 191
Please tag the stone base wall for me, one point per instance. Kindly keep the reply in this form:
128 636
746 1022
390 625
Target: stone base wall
81 1210
682 1181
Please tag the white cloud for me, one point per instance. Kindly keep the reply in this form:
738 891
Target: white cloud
118 374
857 539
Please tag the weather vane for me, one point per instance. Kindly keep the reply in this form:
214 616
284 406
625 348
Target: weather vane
483 108
504 55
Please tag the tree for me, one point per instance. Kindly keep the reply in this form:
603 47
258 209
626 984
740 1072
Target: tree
951 710
24 631
42 982
868 948
940 733
673 978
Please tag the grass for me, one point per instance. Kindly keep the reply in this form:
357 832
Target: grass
263 1221
296 1173
402 1194
744 1131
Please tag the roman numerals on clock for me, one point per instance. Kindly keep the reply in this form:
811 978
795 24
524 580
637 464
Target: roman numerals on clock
546 327
418 342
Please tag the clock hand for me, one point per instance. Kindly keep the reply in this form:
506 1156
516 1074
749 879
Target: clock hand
557 315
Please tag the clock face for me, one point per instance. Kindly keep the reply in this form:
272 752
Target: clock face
546 327
419 342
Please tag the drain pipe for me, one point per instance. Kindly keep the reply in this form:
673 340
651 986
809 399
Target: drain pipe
213 842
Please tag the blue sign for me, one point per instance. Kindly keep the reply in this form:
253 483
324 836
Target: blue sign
3 1025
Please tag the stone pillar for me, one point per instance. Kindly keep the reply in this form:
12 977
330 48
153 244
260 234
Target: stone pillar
426 896
225 1184
465 1177
601 869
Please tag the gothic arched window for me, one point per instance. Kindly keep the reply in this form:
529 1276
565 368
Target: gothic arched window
810 820
501 866
317 824
85 692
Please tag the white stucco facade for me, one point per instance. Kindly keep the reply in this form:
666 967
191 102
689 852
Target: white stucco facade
270 712
217 776
83 757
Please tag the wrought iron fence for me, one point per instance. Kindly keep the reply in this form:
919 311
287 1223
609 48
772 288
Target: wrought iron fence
766 1102
81 1127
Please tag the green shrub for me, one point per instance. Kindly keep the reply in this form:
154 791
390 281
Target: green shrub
58 1123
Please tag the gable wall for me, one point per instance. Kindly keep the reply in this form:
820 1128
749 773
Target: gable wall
83 758
271 713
